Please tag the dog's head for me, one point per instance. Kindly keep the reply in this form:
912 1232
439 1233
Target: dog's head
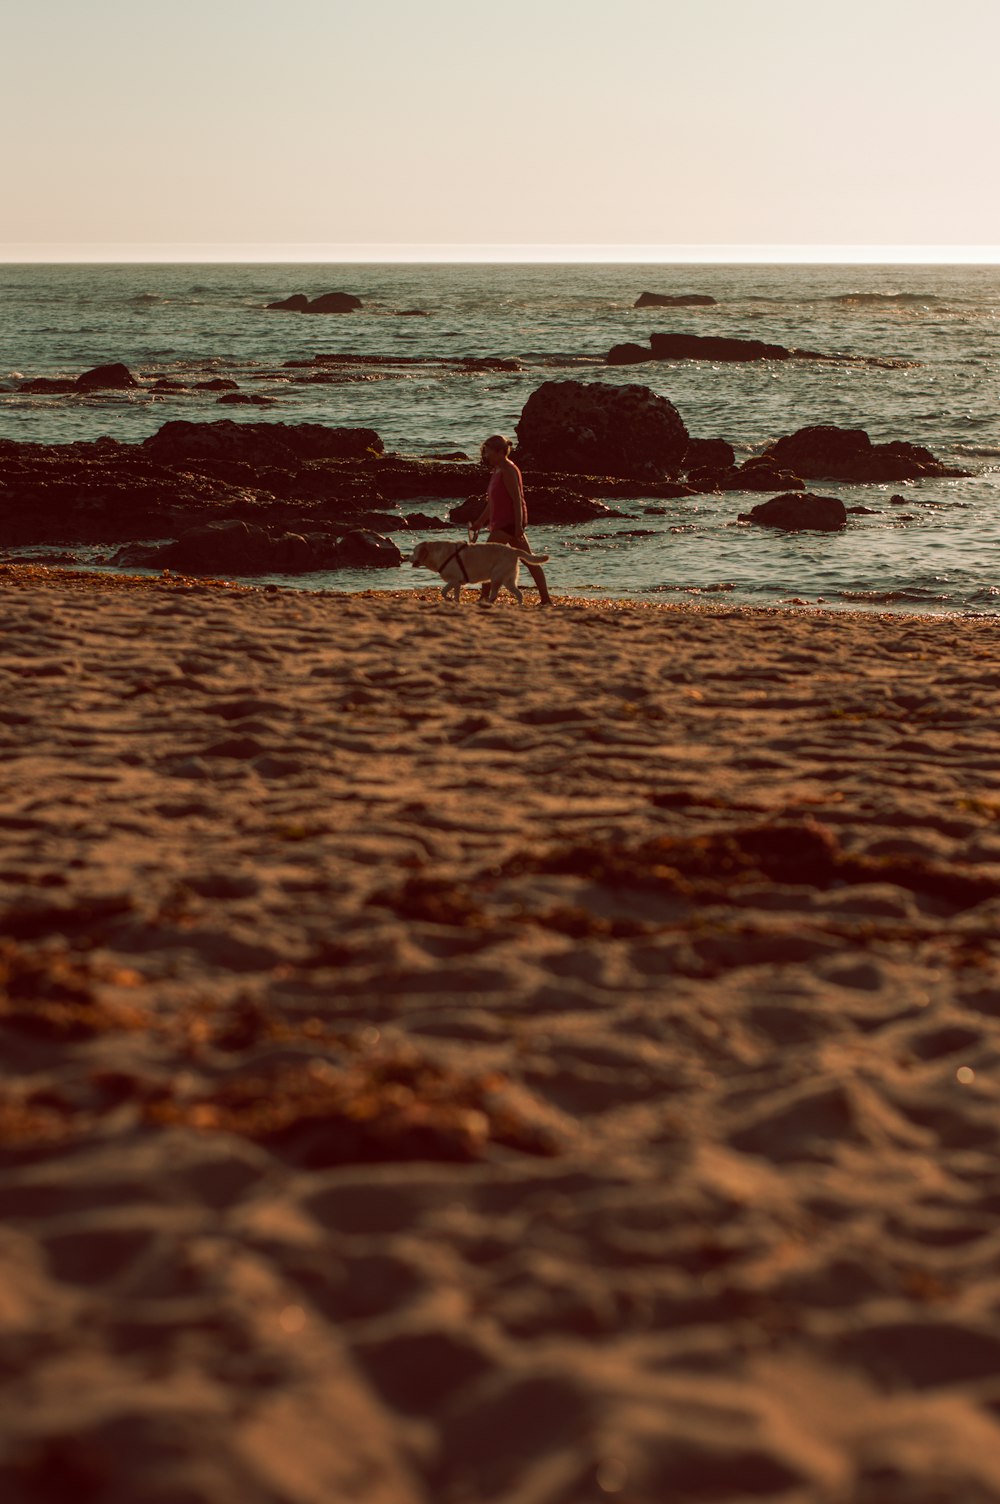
417 556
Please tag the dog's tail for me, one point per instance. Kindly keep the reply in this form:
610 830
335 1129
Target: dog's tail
531 558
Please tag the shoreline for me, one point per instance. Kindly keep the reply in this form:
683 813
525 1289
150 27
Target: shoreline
98 580
460 1055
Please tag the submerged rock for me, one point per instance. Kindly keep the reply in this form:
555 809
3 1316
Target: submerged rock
592 428
826 452
799 511
49 386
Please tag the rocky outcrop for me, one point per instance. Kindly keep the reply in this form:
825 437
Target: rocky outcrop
296 478
328 302
628 355
826 452
115 376
716 347
799 511
49 386
101 378
592 428
674 300
761 473
715 454
548 506
256 443
233 546
720 348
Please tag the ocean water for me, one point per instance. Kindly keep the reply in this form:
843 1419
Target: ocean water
936 550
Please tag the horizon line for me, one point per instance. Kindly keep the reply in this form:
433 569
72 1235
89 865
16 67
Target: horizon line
424 252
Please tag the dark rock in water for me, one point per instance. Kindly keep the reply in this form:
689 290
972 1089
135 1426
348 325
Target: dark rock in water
762 474
49 386
674 300
709 478
256 443
591 428
421 522
714 454
102 377
467 511
165 385
246 399
716 347
412 313
217 384
328 302
489 363
233 546
830 453
360 549
799 511
713 347
333 302
628 355
548 506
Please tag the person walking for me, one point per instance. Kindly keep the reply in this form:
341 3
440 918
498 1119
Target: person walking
505 512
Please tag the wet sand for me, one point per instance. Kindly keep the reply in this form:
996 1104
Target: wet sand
527 1056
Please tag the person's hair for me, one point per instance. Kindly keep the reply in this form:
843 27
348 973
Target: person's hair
495 441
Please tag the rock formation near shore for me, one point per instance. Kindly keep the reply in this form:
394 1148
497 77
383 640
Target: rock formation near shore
301 479
256 443
725 349
826 452
115 375
674 300
328 302
799 511
237 547
590 428
716 453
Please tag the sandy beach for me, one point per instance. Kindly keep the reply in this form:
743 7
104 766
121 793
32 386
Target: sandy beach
519 1056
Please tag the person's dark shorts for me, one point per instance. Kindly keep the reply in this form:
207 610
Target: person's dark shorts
516 540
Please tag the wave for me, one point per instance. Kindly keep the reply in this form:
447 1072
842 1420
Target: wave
883 297
146 298
888 597
989 451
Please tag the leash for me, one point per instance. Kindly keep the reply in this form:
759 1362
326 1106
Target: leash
456 555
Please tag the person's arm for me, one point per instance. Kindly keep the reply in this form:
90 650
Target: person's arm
512 481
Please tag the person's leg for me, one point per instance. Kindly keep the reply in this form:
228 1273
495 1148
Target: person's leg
496 536
538 575
535 570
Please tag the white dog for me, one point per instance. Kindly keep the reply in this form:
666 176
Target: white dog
461 564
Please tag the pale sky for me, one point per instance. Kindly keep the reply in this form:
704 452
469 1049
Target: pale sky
140 127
